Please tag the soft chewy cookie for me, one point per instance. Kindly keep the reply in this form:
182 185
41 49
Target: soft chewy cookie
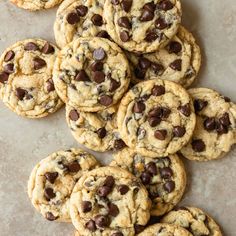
194 220
97 131
156 118
215 131
34 5
79 18
179 61
165 230
142 25
164 178
109 201
52 181
26 84
91 74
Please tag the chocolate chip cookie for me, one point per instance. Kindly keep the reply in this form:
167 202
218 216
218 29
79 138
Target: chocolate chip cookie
164 178
34 5
52 181
179 61
91 74
109 201
215 131
156 118
97 131
26 84
79 18
165 230
194 220
141 25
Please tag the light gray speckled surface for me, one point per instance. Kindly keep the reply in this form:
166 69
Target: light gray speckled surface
23 142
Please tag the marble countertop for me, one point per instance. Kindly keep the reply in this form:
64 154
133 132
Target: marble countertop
24 142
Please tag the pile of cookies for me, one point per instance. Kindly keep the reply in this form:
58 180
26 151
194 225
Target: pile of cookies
122 70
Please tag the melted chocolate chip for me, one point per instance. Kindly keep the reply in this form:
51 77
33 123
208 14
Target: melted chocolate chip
9 68
176 65
106 100
31 47
144 63
199 104
157 68
113 210
73 166
49 194
210 124
158 90
227 99
49 216
48 48
224 120
21 93
82 76
160 134
124 36
151 168
124 22
103 191
185 109
51 176
4 77
102 221
175 47
139 107
155 112
72 18
109 181
166 172
39 63
91 226
126 5
97 66
139 73
165 5
103 34
114 85
99 54
50 86
146 15
179 131
154 121
138 228
150 6
123 189
117 234
221 129
198 145
74 115
97 20
161 24
169 186
9 56
151 36
102 133
146 178
119 144
82 10
86 206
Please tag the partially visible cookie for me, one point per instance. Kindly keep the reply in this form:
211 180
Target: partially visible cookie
215 131
194 220
156 118
97 131
91 74
164 178
26 84
142 25
52 181
34 5
109 201
179 61
165 230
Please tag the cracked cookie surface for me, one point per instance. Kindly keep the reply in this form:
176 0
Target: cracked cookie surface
52 181
88 74
109 201
156 118
26 84
215 131
142 25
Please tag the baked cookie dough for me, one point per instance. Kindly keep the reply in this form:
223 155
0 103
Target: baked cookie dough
52 181
34 5
79 18
109 201
97 131
91 74
164 178
165 230
26 84
194 220
156 118
142 25
179 61
215 131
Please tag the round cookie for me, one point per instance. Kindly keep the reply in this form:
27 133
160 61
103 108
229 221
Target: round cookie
142 25
215 131
79 18
52 181
165 230
26 84
156 118
194 220
164 178
97 131
34 5
179 61
107 201
88 74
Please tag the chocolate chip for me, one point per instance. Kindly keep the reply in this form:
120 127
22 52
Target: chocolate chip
82 10
124 22
74 166
165 112
106 100
114 85
227 99
21 93
138 228
99 54
31 47
117 234
144 63
102 221
49 216
123 189
48 48
221 129
146 178
198 145
97 20
115 2
210 124
51 176
86 206
199 104
98 77
160 134
224 119
50 86
126 5
103 34
119 144
139 73
124 36
9 56
154 121
9 68
165 5
179 131
150 6
91 226
109 181
176 65
146 15
39 63
155 112
175 47
158 90
169 186
160 23
82 76
102 133
97 66
72 18
74 115
185 109
151 168
151 36
113 210
166 172
157 67
49 194
3 77
139 107
103 191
